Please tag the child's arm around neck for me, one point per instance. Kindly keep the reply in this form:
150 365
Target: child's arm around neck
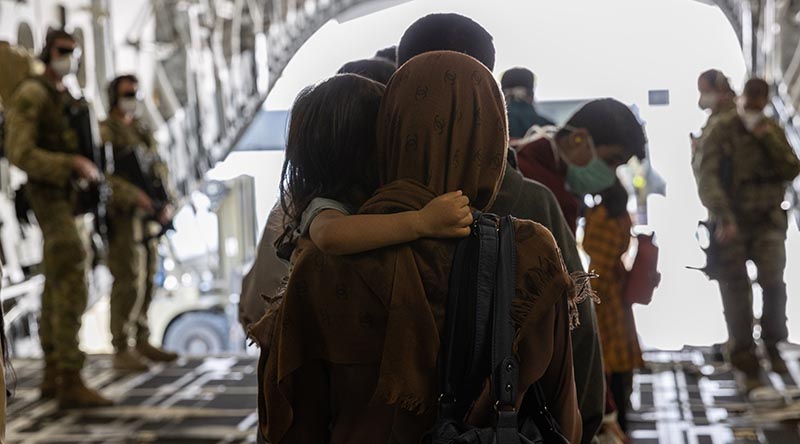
336 233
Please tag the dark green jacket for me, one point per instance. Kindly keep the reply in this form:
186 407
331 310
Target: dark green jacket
527 199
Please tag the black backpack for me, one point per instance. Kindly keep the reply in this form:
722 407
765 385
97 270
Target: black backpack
477 342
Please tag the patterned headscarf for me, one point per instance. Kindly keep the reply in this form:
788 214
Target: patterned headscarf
443 124
441 127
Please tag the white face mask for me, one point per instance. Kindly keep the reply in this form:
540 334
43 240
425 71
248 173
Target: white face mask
708 100
751 118
128 105
63 66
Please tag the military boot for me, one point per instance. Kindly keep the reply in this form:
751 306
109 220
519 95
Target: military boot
49 386
126 360
746 362
776 361
73 393
751 383
155 354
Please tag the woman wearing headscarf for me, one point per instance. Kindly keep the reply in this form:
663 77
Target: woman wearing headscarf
355 346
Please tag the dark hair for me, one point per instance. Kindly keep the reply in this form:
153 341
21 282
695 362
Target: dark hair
330 151
50 40
447 32
516 77
379 70
756 88
615 199
113 87
389 54
610 122
718 80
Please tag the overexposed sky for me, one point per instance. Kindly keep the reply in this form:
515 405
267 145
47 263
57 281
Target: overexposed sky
577 48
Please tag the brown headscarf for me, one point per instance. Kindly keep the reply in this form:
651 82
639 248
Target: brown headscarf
442 127
443 124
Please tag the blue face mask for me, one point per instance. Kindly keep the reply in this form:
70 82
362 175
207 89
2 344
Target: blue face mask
591 178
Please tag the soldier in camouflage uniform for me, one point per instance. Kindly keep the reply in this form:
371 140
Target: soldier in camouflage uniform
132 290
717 96
40 142
744 165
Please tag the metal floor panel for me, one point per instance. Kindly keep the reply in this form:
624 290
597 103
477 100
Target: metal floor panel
683 398
197 401
686 397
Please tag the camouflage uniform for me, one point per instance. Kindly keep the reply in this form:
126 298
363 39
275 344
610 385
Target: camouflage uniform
742 179
40 142
725 109
127 255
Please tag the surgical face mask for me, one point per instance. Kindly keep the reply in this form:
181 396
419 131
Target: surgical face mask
751 118
593 177
128 105
708 100
63 66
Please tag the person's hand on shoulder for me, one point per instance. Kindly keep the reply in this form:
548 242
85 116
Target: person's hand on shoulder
446 216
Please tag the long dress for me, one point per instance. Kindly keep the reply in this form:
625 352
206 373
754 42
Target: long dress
606 239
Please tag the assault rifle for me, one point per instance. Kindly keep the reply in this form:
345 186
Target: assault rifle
136 166
92 197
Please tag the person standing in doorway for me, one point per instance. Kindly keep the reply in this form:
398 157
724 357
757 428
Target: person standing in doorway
518 87
129 233
716 97
744 164
40 141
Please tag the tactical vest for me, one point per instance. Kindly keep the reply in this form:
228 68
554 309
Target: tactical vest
55 133
131 144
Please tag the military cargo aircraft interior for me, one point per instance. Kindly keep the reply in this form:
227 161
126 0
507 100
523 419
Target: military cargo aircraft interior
405 221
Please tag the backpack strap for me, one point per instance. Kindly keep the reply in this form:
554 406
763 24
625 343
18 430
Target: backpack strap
464 357
447 360
505 367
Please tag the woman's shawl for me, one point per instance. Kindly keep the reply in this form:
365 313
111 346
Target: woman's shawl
442 127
